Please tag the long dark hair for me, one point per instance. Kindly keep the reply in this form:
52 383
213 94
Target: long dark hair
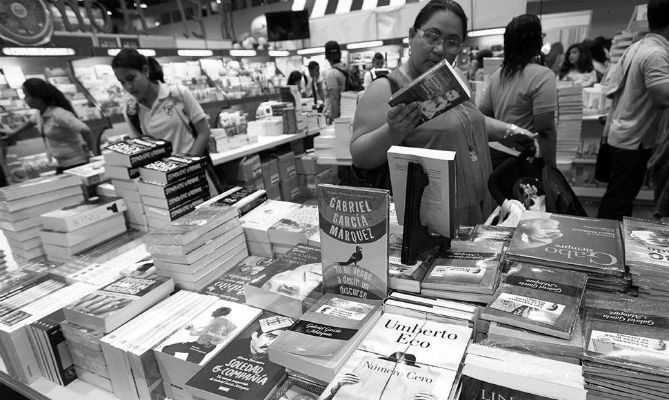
295 77
522 43
48 93
584 63
441 5
132 59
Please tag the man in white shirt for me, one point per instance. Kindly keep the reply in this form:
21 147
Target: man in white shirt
376 70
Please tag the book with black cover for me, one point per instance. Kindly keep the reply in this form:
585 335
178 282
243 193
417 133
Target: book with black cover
135 152
230 285
354 240
171 169
169 191
242 370
54 357
539 299
438 89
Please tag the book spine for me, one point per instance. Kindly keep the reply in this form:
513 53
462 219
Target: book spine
61 355
96 214
175 175
187 207
252 204
183 185
142 158
186 196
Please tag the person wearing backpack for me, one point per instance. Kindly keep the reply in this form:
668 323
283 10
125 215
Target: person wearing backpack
337 80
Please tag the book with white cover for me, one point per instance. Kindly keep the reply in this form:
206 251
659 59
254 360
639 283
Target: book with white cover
90 174
115 223
37 186
189 227
438 205
75 217
296 226
24 204
257 222
184 352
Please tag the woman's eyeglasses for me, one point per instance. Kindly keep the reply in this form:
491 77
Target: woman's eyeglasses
433 39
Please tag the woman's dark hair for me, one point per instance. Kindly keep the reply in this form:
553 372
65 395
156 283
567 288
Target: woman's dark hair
48 93
435 6
294 78
584 63
522 43
483 53
132 59
597 47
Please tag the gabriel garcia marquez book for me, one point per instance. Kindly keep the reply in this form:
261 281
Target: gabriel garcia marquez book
354 241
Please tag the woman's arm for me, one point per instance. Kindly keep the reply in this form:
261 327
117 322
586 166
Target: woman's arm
377 126
202 140
498 130
544 123
14 134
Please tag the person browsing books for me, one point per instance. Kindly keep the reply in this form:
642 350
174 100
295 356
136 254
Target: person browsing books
62 131
437 34
577 66
168 112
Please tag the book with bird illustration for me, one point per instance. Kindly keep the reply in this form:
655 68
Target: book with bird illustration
354 240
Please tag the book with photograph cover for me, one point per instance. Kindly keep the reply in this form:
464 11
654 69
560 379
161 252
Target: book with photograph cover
290 285
484 233
296 226
230 285
171 169
439 89
323 338
646 244
242 370
578 243
471 267
116 303
539 299
354 240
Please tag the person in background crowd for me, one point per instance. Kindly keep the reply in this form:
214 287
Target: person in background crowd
577 66
298 79
164 111
600 57
555 57
315 83
376 70
523 92
480 72
62 131
639 102
437 33
335 81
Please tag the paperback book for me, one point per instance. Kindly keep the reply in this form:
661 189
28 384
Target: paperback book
189 228
36 186
243 199
81 215
354 241
290 285
324 337
401 276
53 356
258 221
438 89
647 256
173 189
296 226
538 299
171 169
242 370
135 152
230 285
115 304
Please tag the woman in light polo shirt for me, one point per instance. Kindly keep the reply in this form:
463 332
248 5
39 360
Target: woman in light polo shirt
63 132
163 111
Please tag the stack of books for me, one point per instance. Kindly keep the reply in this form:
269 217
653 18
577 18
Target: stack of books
22 305
3 263
483 233
404 277
242 199
297 226
440 310
647 257
247 373
22 204
568 119
91 175
46 338
122 161
625 350
171 187
198 247
182 354
230 285
589 245
349 103
343 128
89 362
325 144
468 271
72 230
290 285
128 350
386 366
509 375
257 222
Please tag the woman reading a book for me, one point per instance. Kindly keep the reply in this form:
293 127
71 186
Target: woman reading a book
437 33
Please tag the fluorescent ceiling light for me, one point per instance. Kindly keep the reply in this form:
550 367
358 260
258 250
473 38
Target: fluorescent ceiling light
142 5
38 51
144 52
242 53
195 53
313 50
278 53
109 12
486 32
364 45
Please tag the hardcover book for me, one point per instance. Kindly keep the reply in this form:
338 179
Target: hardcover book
230 285
171 169
113 305
242 370
538 299
183 353
188 228
354 241
438 89
439 201
243 199
583 244
81 215
324 337
135 152
290 285
467 267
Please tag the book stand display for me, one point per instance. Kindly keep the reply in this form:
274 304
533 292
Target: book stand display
415 237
